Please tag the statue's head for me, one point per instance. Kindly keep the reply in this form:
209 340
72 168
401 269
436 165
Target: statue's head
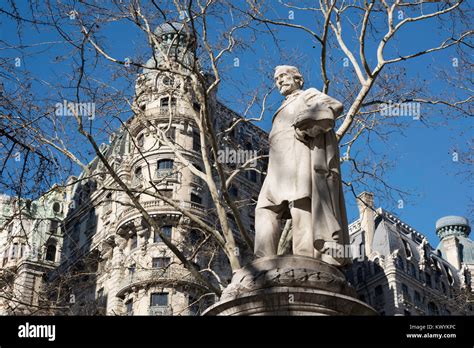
288 79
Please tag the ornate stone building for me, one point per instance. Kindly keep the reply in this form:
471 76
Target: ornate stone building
112 261
398 272
30 242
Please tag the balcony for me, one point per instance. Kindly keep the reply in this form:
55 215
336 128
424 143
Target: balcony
168 277
160 206
164 175
160 310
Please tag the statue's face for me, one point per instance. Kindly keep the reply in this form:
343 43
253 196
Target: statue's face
286 83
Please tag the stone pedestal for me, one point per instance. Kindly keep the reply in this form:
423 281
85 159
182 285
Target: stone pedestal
289 285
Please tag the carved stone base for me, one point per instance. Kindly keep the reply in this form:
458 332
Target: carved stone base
289 285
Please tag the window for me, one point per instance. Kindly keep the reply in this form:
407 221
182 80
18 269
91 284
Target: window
417 298
56 207
91 220
160 262
231 217
53 227
141 140
51 252
166 193
14 251
159 299
194 306
407 248
195 198
138 172
433 309
131 269
400 263
165 102
234 191
108 203
10 229
171 134
194 236
196 141
378 291
252 175
167 81
413 270
166 230
406 313
197 107
449 274
133 242
166 164
377 268
129 307
360 275
405 291
428 280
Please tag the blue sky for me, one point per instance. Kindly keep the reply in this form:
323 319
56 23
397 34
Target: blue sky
421 157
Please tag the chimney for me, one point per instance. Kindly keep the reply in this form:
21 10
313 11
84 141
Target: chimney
365 203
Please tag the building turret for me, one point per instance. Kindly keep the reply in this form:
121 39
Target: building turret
455 245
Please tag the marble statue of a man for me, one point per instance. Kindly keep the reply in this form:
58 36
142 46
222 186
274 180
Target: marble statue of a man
303 179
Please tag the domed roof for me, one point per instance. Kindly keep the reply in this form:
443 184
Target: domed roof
170 27
452 225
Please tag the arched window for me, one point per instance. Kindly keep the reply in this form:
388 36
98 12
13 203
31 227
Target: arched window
407 248
167 81
377 267
449 274
51 252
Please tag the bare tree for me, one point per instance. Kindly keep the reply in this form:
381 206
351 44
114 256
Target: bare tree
359 63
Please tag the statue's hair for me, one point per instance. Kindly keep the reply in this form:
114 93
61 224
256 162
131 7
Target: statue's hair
293 70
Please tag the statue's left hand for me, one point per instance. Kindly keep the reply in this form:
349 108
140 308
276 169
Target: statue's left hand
308 129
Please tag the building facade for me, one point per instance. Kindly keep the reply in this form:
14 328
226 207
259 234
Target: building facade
30 247
398 272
